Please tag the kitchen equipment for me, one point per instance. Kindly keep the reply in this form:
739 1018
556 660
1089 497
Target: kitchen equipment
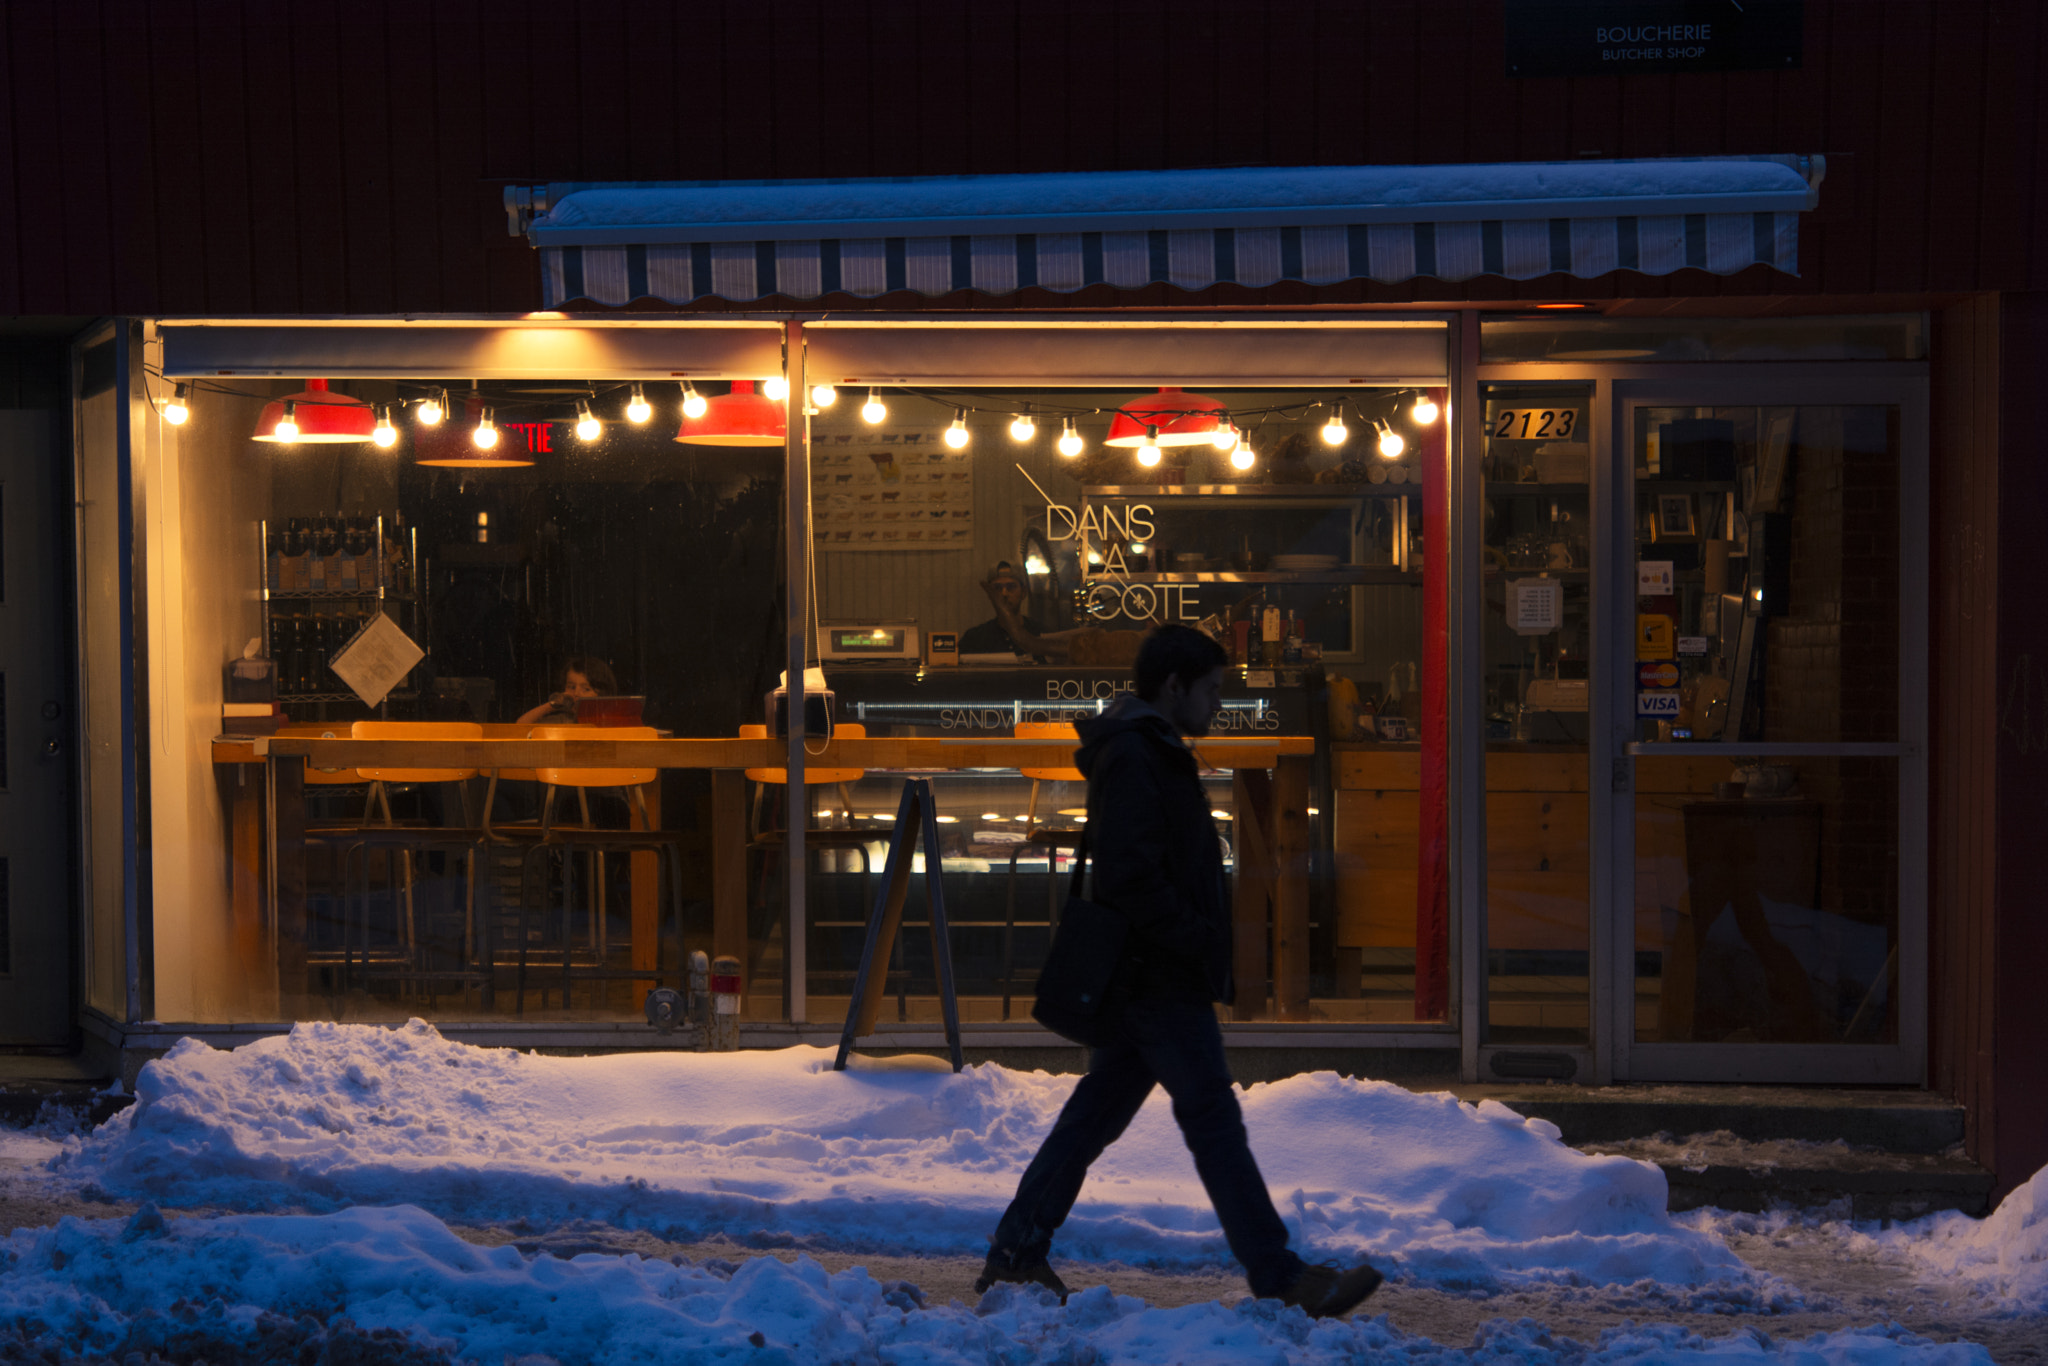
849 642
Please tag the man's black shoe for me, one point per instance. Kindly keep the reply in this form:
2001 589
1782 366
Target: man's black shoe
1329 1291
1029 1268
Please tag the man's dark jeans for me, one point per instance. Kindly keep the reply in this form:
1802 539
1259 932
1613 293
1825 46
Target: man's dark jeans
1179 1046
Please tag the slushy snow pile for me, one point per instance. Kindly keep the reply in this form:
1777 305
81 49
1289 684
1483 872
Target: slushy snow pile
2003 1256
774 1148
395 1286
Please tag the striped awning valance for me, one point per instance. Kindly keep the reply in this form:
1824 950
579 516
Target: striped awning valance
613 244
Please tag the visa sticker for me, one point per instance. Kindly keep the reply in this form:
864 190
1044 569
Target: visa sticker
1659 704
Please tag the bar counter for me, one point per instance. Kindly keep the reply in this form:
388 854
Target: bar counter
267 821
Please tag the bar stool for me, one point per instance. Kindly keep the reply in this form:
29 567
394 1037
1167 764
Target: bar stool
1049 838
815 836
408 840
588 838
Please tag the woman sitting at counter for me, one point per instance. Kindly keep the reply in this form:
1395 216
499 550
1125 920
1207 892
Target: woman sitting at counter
582 676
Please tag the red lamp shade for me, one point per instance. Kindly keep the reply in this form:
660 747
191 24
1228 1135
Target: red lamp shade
740 418
1182 419
322 415
450 445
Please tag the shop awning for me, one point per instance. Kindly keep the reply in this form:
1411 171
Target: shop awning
743 241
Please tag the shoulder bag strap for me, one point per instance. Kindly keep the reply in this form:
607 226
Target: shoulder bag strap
1076 882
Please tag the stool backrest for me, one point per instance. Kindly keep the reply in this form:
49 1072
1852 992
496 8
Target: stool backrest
417 730
595 777
1049 730
845 730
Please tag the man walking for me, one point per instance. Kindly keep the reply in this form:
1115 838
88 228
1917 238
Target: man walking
1157 860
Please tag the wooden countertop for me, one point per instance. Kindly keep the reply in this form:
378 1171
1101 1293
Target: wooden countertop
906 753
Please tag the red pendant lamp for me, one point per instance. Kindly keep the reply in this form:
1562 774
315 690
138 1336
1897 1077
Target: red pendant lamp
740 418
1182 419
452 445
320 414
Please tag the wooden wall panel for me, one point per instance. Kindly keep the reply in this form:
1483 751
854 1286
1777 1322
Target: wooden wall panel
276 157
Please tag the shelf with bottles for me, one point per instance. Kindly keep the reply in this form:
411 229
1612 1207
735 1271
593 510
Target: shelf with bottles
1340 575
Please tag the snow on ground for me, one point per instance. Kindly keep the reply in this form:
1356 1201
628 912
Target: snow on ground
315 1171
395 1285
776 1149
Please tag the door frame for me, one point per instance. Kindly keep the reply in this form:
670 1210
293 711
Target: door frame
1904 1061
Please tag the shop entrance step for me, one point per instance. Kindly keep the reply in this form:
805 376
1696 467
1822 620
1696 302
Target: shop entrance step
1860 1153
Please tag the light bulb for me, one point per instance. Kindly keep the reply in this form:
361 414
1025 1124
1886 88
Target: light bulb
287 428
384 434
872 411
588 428
775 387
1070 441
1148 453
1225 438
1334 431
1391 444
1242 457
175 412
1425 410
1022 428
823 395
693 403
956 435
638 409
433 408
486 435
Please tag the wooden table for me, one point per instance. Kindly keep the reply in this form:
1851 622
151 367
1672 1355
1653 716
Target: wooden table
1271 819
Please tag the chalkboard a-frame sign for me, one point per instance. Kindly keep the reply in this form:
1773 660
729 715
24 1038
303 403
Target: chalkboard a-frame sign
1624 37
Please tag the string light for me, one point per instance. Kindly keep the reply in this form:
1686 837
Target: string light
385 435
693 402
873 411
823 395
1391 444
956 435
433 408
1022 428
1226 438
287 428
588 428
175 412
1335 433
1243 456
638 409
486 434
775 387
1148 451
1070 440
1425 410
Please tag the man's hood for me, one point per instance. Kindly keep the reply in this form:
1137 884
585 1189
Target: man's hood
1128 712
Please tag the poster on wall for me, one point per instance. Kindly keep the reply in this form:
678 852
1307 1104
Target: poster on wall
890 489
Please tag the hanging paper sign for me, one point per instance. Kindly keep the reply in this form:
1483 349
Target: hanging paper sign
1653 579
376 660
1663 705
1654 636
1535 606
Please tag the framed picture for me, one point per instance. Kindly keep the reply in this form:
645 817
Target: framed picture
1675 518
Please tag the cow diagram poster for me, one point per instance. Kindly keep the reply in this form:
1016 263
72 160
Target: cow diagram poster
891 489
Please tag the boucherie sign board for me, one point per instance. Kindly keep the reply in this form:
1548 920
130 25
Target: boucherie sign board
1623 37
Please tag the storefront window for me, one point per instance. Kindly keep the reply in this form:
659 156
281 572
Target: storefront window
1538 575
998 587
1768 597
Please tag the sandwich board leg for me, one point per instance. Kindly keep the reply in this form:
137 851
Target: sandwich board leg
942 937
882 923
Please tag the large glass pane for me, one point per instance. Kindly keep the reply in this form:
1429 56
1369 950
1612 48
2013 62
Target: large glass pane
1538 584
1301 554
1768 581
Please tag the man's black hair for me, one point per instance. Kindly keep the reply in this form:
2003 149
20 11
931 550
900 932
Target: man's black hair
1174 651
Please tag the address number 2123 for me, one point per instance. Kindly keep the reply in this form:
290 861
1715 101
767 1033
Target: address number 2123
1535 424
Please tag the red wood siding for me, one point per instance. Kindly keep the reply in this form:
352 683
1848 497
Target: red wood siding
270 156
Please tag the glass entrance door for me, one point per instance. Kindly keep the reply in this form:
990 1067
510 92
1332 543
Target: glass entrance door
1769 845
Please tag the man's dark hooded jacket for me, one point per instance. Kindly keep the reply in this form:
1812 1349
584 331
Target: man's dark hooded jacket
1155 853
